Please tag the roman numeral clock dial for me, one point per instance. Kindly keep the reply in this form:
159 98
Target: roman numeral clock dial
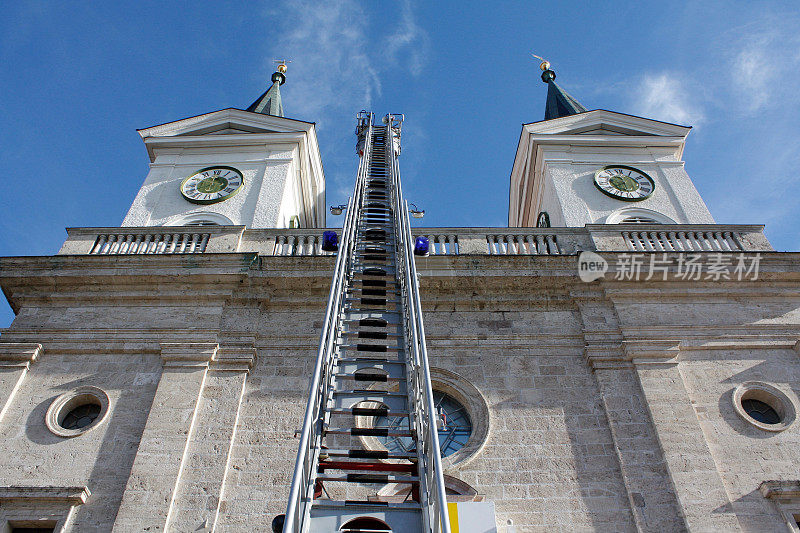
624 183
212 184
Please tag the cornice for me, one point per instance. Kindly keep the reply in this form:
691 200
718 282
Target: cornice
780 489
188 354
32 495
222 116
19 354
235 357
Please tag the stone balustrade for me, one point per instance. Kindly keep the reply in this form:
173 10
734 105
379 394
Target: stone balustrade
443 241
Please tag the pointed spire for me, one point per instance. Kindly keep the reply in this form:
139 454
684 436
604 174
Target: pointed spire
270 103
559 102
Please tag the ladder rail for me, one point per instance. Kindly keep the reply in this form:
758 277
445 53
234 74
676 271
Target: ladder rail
433 493
303 477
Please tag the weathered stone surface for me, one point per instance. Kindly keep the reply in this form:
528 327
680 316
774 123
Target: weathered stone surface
587 429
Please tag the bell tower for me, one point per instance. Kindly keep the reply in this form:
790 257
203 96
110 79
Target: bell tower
580 167
252 167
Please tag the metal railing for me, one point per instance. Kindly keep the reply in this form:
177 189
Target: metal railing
433 497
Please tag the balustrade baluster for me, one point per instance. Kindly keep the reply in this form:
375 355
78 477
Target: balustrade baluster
112 243
98 244
701 241
674 242
509 240
552 245
541 246
719 236
663 241
204 242
442 244
126 246
731 240
714 239
626 236
686 245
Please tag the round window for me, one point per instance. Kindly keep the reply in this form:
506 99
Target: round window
761 411
77 411
455 427
81 416
764 406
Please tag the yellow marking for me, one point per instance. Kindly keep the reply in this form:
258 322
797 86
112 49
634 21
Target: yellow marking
452 513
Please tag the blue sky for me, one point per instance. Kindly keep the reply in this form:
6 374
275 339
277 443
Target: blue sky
79 78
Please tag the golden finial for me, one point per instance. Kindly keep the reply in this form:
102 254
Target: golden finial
544 65
281 65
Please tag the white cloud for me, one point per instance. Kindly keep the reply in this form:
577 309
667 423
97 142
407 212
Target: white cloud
336 69
336 66
331 72
764 64
409 38
666 97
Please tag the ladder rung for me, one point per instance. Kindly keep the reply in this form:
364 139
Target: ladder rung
373 322
381 335
369 432
368 377
371 291
374 292
373 301
366 360
367 504
373 282
366 454
368 478
368 466
363 347
369 392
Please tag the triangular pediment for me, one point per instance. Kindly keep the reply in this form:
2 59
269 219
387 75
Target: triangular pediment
603 122
227 128
229 121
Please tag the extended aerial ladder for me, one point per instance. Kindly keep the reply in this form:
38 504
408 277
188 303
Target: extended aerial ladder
372 365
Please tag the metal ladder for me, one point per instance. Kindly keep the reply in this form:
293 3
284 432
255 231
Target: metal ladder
372 364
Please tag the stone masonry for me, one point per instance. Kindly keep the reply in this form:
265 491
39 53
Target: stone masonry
607 406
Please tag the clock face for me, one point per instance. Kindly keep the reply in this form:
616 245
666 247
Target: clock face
212 184
624 183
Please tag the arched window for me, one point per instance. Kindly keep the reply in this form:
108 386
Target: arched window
638 220
201 218
637 215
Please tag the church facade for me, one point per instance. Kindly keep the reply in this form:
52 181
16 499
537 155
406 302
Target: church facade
613 360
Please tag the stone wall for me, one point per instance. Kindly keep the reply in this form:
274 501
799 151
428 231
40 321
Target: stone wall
604 406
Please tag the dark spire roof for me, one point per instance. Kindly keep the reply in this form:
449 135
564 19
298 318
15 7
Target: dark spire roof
270 103
559 102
